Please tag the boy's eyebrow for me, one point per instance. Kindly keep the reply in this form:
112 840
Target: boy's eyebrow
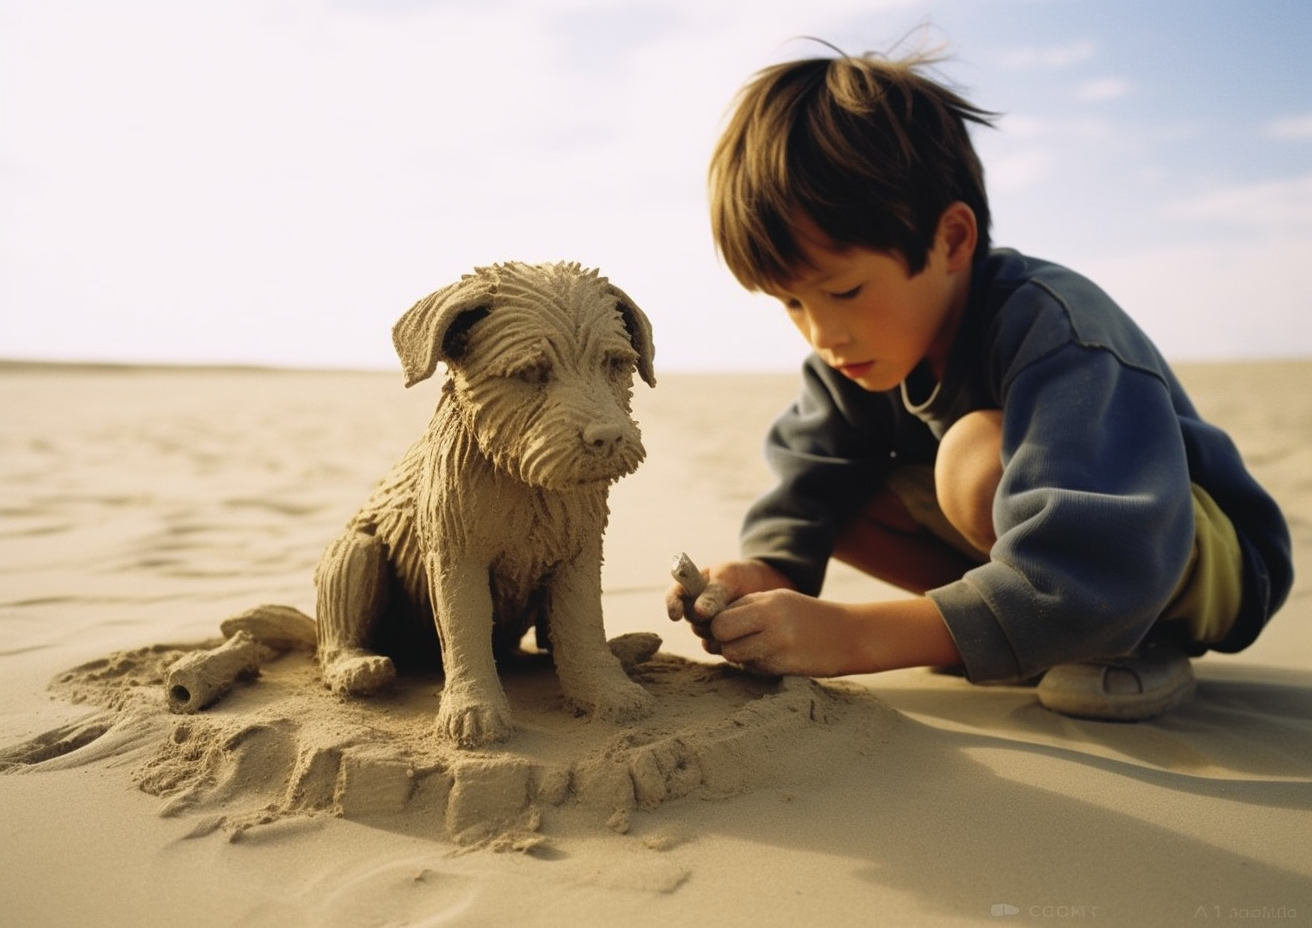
820 279
817 278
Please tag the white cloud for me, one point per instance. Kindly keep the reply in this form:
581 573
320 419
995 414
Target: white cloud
1034 57
1018 169
1103 89
1283 205
1291 128
1027 151
1079 129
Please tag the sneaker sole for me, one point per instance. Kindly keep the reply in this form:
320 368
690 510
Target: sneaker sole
1134 708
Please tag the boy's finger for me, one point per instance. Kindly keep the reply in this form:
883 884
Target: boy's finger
711 646
712 601
674 598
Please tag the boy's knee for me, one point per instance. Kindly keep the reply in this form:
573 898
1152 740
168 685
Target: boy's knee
967 473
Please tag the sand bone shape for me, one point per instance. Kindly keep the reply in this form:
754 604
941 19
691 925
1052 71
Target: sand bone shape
492 523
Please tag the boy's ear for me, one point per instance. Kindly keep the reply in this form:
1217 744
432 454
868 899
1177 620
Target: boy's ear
959 231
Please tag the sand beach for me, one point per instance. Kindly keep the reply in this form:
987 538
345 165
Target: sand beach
144 506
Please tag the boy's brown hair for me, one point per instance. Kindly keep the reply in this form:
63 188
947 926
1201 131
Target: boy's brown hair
869 149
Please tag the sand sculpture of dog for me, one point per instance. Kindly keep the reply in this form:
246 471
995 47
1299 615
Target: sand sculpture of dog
492 523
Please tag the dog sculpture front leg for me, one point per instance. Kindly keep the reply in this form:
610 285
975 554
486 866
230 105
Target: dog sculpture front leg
590 674
474 709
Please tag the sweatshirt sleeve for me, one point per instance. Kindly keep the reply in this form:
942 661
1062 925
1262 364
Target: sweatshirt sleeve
830 449
1093 514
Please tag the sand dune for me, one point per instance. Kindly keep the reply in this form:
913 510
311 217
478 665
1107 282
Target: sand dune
144 506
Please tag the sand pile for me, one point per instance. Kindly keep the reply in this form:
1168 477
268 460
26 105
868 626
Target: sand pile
280 745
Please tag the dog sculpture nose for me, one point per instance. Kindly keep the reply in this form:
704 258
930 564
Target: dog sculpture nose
601 437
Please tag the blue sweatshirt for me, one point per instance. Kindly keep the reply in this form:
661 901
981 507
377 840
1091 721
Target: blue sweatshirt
1094 513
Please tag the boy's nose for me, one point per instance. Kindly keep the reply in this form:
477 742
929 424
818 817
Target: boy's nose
825 333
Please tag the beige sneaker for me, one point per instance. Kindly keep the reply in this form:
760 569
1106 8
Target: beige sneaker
1157 678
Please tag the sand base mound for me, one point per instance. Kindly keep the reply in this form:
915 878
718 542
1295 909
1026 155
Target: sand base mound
280 745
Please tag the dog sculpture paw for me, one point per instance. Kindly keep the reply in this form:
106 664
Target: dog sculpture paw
472 723
353 672
619 700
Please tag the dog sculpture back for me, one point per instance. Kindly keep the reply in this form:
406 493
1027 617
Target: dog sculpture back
492 523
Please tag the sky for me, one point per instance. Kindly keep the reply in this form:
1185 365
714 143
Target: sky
273 182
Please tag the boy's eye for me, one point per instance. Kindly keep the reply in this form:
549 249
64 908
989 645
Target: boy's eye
847 294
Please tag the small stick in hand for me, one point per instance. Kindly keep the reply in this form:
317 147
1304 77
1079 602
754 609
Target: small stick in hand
686 572
694 584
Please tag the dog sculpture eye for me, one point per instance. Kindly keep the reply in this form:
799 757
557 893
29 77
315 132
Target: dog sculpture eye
534 373
620 365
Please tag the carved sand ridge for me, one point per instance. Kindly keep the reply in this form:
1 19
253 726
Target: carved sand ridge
284 747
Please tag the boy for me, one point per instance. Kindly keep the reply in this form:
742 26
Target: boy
985 430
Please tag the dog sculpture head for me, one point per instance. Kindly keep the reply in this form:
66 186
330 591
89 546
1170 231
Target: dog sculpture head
540 361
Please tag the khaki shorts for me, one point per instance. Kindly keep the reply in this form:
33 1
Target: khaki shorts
1206 599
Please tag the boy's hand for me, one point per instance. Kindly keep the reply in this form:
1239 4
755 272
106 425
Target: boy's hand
784 632
727 582
781 631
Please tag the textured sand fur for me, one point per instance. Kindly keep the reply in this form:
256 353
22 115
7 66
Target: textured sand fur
146 513
492 523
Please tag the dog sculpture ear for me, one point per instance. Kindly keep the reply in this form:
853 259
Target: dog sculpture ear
437 327
635 320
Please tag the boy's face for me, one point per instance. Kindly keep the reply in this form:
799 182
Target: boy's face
867 316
